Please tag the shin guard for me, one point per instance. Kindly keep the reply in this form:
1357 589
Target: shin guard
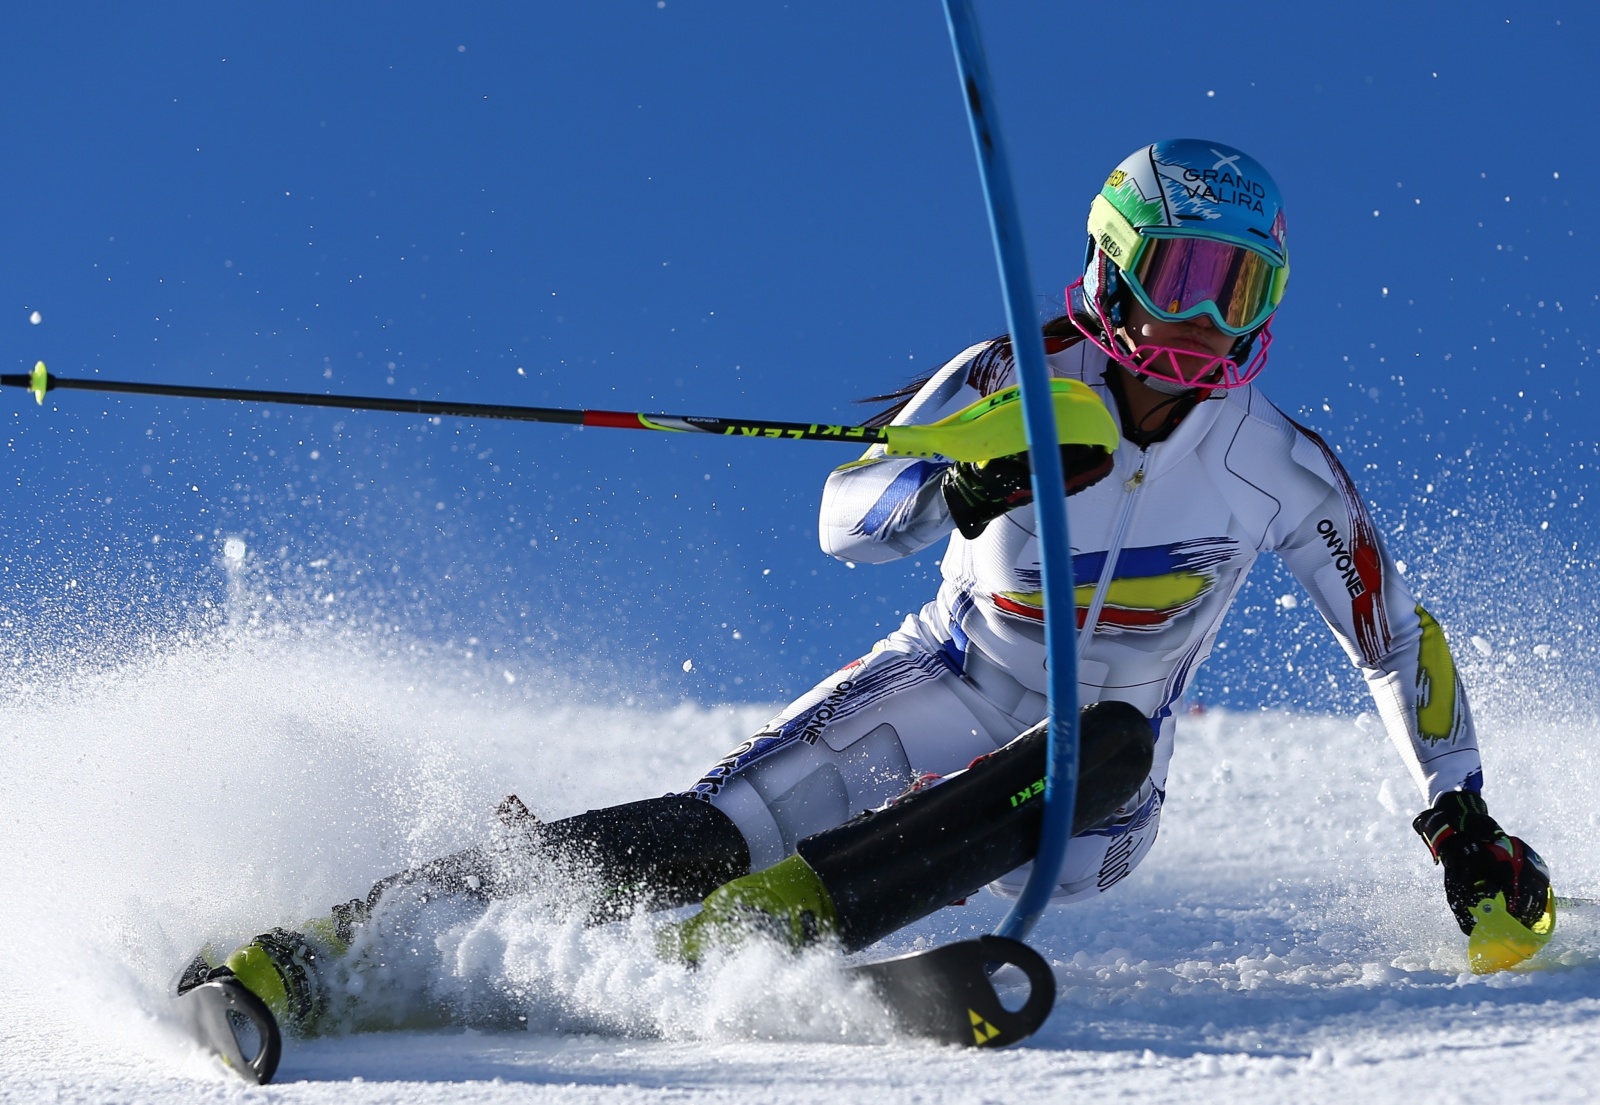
890 867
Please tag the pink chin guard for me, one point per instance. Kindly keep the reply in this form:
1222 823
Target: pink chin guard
1165 363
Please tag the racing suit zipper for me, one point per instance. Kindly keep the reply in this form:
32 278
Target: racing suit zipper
1118 535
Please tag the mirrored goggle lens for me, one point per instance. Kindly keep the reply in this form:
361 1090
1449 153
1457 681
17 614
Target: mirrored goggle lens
1179 276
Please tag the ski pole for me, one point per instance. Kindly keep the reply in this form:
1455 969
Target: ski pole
991 427
1055 547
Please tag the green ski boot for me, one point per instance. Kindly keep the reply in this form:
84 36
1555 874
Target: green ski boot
786 901
287 969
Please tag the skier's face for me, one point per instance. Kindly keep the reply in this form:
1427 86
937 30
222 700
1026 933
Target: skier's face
1144 329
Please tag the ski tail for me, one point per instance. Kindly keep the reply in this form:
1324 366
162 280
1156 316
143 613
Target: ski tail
948 994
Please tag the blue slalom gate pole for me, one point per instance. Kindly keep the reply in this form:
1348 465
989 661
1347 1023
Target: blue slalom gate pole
1055 548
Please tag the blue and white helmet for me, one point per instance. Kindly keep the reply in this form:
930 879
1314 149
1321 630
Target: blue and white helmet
1190 227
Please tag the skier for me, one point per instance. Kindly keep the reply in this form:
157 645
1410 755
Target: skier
903 781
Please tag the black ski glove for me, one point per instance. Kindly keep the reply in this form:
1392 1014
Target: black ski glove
1481 860
979 492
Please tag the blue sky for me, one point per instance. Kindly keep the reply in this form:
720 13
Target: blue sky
746 209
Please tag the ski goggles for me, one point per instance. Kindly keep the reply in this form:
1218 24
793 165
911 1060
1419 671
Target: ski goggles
1180 278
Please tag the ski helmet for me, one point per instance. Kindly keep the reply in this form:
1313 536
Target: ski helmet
1189 228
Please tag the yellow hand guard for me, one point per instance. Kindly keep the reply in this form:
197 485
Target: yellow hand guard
992 427
1499 940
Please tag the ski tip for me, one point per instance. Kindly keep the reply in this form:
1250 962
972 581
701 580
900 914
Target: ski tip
233 1024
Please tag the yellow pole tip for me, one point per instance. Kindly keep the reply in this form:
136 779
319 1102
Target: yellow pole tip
39 383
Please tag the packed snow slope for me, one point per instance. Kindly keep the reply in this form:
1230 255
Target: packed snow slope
1286 940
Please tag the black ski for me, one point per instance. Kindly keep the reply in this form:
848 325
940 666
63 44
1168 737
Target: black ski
946 994
235 1025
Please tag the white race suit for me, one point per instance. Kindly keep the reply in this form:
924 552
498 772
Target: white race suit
1160 548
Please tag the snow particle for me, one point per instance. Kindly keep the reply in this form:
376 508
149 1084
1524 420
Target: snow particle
1483 646
36 318
233 550
688 665
1288 602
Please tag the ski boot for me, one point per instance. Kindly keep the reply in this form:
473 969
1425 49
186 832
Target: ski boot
287 969
787 902
290 969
